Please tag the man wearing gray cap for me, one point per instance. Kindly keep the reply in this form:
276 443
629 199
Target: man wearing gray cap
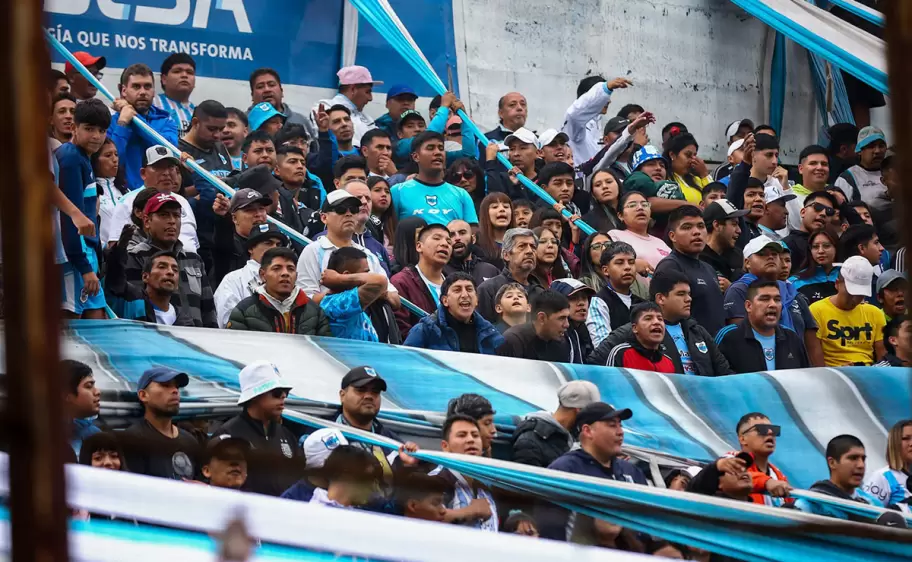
543 437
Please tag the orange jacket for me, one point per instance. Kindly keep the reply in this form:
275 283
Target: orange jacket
760 479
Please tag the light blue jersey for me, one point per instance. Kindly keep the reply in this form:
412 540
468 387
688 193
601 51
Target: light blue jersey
768 343
677 335
346 317
438 204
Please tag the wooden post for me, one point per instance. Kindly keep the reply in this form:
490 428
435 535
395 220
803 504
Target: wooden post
898 34
33 422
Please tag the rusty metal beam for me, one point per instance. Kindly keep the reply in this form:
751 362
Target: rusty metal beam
33 420
898 34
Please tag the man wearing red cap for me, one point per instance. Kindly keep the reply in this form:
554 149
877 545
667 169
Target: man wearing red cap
79 86
356 86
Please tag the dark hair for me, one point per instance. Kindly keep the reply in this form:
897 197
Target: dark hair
664 282
242 117
389 220
676 144
854 236
210 109
427 229
260 72
842 444
892 330
809 267
764 127
524 203
860 203
277 253
423 137
341 257
485 238
758 284
120 180
138 69
746 418
435 103
289 132
60 97
368 138
812 150
630 108
56 76
175 59
453 278
75 372
765 142
627 195
259 135
714 187
639 309
888 162
549 302
475 406
451 420
616 249
543 214
466 164
514 519
351 462
101 441
93 113
683 212
339 107
139 203
556 269
404 245
147 267
814 195
587 83
552 170
347 163
417 486
285 150
841 134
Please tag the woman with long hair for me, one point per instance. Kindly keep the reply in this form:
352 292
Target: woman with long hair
468 174
383 213
495 217
548 265
404 251
550 218
687 169
635 212
605 187
817 276
890 484
590 263
109 179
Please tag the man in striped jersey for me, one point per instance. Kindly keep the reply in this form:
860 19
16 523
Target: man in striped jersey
178 79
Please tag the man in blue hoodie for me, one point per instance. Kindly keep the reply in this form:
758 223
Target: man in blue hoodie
761 261
82 292
137 92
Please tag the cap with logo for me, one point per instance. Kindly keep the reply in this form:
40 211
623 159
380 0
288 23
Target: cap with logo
264 231
353 75
569 286
341 199
86 60
258 378
162 375
734 126
524 136
156 153
601 411
775 194
869 135
735 146
889 277
260 179
159 200
616 125
260 113
401 91
578 394
319 444
548 136
244 198
222 446
406 116
858 274
644 155
762 242
359 377
722 209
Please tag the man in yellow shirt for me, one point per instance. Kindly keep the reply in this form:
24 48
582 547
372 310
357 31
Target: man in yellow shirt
851 330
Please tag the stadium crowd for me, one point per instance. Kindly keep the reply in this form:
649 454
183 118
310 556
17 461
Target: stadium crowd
693 271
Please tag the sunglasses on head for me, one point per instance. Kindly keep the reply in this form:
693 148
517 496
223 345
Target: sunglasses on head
765 429
467 174
820 208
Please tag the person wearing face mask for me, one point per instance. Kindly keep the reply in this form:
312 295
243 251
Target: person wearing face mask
465 257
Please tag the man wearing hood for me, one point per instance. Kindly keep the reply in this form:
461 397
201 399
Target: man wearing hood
643 348
464 257
845 455
543 436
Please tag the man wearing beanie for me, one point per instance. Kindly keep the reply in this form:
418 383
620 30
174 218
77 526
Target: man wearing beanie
543 437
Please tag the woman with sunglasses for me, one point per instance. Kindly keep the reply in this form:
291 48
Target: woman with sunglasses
383 213
635 212
467 174
890 484
817 276
495 218
605 187
549 265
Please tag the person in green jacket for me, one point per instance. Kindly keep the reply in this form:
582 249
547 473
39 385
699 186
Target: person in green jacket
279 305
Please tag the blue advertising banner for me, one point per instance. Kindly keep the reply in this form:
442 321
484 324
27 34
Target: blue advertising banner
301 39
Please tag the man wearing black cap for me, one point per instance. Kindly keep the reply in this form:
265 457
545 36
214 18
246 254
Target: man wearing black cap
225 464
246 208
241 283
154 446
601 436
723 228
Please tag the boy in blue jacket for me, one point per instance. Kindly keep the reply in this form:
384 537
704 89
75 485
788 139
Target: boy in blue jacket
83 296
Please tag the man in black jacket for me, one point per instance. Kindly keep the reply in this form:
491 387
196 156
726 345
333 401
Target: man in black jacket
465 254
760 344
544 337
235 218
579 295
519 246
270 465
726 477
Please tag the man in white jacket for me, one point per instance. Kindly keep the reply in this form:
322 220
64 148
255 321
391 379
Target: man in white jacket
241 283
583 121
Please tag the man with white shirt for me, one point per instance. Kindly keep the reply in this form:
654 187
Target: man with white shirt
162 173
356 86
583 120
241 283
862 181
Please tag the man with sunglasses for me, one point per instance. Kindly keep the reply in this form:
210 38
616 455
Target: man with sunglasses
757 436
819 208
271 469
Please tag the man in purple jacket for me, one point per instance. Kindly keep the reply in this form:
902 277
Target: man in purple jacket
421 284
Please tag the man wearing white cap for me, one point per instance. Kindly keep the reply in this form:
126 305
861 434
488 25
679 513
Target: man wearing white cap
735 156
851 330
774 222
524 150
356 90
734 136
263 393
317 447
542 437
